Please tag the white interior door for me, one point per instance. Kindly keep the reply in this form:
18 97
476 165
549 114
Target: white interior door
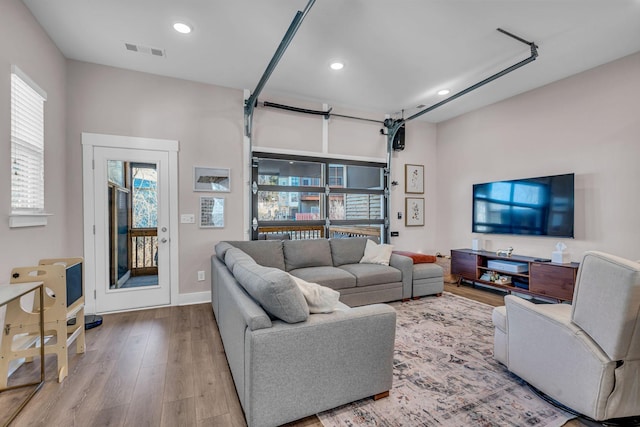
99 244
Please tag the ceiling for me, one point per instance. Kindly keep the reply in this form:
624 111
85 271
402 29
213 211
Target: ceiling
397 53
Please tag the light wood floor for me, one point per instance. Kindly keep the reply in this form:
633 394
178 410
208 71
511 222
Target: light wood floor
159 367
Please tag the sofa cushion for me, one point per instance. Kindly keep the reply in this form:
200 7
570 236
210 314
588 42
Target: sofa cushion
426 271
306 253
274 236
373 274
331 277
234 255
265 252
347 251
376 254
274 290
320 299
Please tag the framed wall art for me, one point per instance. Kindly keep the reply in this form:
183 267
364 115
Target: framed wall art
211 179
414 211
414 179
211 212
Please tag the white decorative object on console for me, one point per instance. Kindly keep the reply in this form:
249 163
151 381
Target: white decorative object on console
560 255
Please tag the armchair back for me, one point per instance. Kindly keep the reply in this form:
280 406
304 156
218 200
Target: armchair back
606 304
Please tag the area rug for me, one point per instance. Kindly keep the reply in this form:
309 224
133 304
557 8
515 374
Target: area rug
445 375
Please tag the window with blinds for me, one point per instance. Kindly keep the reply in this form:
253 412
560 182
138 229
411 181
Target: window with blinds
27 145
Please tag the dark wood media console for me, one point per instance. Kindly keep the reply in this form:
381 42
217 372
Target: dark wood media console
544 279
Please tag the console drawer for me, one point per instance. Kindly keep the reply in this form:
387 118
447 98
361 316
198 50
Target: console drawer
464 264
552 280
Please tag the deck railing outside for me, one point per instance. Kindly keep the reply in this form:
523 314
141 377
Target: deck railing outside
300 232
295 232
144 251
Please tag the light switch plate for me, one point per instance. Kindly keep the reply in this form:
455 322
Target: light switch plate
187 219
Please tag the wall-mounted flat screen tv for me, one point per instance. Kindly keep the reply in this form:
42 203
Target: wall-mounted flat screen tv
540 206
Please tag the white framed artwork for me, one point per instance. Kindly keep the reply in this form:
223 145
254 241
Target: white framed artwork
414 179
211 179
211 212
414 211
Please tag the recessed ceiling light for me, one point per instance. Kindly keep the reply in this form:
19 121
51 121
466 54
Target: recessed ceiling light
443 92
182 28
336 65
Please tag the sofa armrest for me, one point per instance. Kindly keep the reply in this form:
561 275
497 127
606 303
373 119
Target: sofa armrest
296 370
550 352
226 291
405 265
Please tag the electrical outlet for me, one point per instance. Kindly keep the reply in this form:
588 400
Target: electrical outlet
200 276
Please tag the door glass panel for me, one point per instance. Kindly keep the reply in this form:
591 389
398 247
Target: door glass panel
133 221
144 233
289 173
352 176
355 206
345 192
289 205
144 179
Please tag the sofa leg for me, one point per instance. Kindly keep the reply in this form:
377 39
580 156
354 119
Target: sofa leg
381 395
439 294
406 299
415 298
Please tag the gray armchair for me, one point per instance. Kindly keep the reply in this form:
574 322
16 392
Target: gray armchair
585 355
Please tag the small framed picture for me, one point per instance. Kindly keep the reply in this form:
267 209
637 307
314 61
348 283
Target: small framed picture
414 211
414 179
211 179
211 212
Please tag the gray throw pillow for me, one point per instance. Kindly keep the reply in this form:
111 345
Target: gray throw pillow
347 251
307 253
274 290
264 252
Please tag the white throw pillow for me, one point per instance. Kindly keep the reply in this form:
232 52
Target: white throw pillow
376 254
320 299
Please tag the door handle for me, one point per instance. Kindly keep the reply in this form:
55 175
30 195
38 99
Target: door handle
163 240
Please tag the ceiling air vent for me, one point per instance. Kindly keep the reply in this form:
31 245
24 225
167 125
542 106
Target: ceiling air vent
153 51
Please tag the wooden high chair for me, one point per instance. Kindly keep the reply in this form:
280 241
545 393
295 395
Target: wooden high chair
20 336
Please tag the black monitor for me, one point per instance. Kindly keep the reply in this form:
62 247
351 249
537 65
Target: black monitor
74 283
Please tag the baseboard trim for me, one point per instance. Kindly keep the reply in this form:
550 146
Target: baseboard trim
194 298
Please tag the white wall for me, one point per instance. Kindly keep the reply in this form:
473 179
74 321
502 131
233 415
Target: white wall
587 124
24 43
420 149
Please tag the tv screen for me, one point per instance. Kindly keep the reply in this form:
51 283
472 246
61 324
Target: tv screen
540 206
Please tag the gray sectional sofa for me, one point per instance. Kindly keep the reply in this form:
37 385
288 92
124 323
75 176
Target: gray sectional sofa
335 263
284 370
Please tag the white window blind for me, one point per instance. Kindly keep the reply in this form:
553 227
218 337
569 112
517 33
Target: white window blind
27 144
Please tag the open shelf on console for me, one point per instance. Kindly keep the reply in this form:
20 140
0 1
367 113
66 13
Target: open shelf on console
545 279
